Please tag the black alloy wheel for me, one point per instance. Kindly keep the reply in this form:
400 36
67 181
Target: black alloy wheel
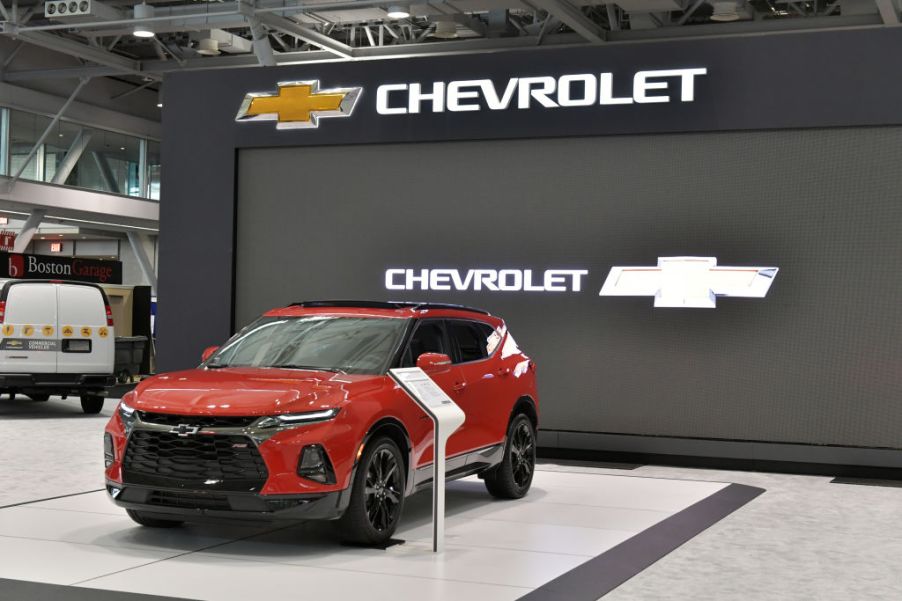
523 454
512 478
377 496
383 490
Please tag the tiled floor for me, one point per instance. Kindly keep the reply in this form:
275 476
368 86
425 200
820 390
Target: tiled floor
495 549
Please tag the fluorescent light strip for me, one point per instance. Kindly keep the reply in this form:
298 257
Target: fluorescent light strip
106 223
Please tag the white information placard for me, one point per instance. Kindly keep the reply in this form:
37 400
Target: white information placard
446 417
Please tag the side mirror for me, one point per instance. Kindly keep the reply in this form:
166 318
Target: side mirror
208 352
434 362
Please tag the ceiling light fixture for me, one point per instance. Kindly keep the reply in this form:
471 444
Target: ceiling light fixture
142 30
445 30
725 11
208 47
396 11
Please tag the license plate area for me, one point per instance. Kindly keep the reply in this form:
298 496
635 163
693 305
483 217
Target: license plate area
76 345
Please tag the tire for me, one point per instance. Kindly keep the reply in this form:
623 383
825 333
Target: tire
124 376
377 496
147 522
39 398
91 403
512 478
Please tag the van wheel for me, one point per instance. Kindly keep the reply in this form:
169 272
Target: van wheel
377 496
40 398
512 478
142 519
91 403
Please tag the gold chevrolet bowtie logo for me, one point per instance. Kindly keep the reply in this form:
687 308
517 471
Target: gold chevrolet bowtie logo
298 104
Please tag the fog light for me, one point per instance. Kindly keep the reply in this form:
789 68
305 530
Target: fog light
314 464
109 452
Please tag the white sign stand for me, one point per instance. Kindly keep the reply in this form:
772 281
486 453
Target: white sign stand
447 417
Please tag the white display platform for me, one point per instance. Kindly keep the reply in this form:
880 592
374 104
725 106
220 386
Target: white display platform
495 550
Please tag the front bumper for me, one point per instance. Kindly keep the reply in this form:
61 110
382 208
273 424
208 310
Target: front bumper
198 505
58 383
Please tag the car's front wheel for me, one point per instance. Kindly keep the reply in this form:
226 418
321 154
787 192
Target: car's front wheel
512 478
377 496
140 518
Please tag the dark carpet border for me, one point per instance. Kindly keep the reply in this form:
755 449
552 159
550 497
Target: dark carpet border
21 590
599 576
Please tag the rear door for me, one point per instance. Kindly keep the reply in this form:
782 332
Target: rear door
87 343
28 344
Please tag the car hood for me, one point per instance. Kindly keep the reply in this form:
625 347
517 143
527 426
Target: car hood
246 391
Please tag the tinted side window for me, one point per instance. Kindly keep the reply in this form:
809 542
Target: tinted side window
427 338
470 341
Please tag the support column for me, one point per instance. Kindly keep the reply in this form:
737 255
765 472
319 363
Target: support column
106 174
136 241
262 47
28 230
75 152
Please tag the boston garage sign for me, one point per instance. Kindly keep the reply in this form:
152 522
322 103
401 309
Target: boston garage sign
41 267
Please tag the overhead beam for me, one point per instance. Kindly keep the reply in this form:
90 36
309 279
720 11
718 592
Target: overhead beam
305 33
77 49
573 18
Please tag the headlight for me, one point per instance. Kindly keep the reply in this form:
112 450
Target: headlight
109 450
128 415
297 419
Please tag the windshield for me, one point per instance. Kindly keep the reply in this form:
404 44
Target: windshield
361 345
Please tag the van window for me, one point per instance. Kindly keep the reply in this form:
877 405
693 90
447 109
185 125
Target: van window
81 306
31 304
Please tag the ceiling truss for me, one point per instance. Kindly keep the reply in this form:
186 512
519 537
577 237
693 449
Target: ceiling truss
199 35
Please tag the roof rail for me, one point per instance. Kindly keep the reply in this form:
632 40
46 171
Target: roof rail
366 304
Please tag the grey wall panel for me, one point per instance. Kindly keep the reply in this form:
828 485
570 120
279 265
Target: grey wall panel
815 362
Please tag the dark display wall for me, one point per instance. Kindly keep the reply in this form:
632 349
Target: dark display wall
815 362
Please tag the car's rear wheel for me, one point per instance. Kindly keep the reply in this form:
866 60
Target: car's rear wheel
512 478
140 518
377 496
91 403
40 398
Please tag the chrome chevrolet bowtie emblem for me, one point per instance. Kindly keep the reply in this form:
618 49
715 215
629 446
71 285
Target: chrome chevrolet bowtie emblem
691 282
298 104
185 430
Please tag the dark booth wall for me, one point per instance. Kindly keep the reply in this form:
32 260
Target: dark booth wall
814 362
792 163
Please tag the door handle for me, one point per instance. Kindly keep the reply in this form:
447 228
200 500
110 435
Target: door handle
459 386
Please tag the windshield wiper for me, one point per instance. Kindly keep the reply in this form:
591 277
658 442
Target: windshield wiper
336 370
216 365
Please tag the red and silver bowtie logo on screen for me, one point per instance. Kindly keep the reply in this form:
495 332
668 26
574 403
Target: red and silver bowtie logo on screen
689 282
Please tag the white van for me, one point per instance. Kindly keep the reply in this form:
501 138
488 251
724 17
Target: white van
56 338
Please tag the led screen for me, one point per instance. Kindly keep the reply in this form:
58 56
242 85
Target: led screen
531 229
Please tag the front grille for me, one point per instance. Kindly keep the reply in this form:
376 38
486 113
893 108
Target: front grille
201 421
204 462
188 500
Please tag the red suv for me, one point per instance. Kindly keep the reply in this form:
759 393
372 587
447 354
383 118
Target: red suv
296 417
